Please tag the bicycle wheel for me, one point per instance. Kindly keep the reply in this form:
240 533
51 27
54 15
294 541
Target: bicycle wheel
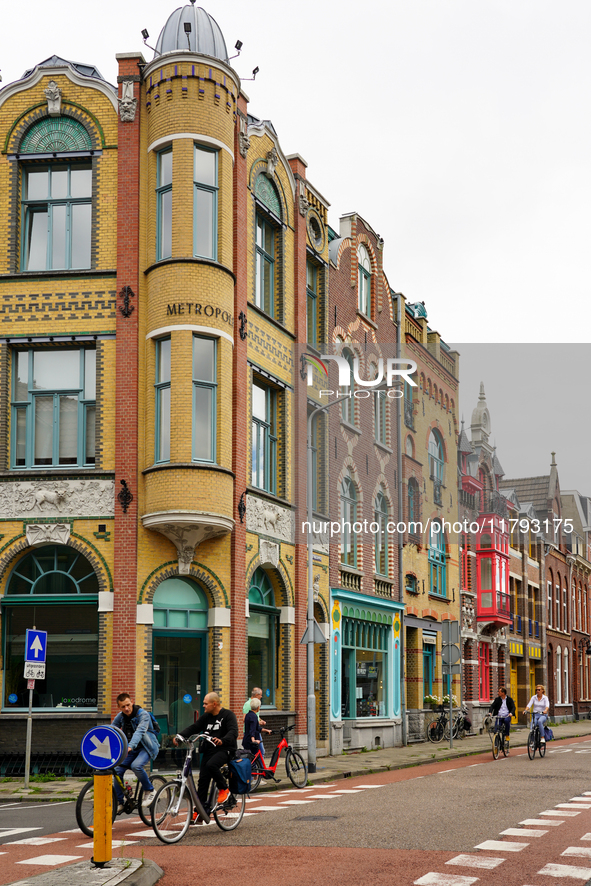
85 808
257 768
296 769
542 748
505 747
435 731
144 811
531 745
171 818
496 746
229 815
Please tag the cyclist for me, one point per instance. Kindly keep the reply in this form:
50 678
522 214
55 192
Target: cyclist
222 725
143 746
503 707
252 739
540 705
257 692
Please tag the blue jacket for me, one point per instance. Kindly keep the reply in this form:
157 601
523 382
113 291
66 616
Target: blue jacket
142 731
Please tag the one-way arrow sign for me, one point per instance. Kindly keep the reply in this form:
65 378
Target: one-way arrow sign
36 646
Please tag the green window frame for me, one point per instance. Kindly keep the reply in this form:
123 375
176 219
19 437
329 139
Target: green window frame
264 296
53 407
365 677
164 204
52 588
437 561
363 281
312 302
204 398
205 202
264 437
56 216
162 392
348 518
263 637
381 538
428 668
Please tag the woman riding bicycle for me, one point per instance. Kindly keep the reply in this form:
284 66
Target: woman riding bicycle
540 705
503 707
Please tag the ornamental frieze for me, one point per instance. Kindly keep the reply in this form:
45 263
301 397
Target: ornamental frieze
57 498
269 518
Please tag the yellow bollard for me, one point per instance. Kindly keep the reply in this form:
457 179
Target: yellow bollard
103 819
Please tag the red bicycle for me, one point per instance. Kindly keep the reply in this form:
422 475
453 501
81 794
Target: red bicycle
296 768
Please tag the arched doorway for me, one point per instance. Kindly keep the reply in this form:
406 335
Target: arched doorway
179 641
263 637
55 589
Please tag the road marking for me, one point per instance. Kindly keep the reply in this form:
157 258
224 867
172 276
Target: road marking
502 846
477 861
442 771
115 844
35 841
563 812
147 833
50 859
577 851
8 832
573 806
324 796
522 832
377 785
586 837
318 787
579 800
544 821
566 870
294 802
268 808
348 791
432 879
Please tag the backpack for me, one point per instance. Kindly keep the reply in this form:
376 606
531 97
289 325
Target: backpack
154 726
240 775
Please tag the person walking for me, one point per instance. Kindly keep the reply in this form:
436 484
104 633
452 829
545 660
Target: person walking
257 693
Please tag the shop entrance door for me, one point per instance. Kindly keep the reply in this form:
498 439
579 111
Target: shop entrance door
179 679
513 689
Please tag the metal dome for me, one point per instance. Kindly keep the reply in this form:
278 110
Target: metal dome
205 36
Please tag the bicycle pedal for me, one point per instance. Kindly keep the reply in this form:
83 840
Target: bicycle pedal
277 780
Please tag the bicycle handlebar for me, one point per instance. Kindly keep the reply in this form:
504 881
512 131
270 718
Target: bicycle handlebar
193 739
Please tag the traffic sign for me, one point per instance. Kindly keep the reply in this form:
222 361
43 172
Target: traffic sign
103 747
450 632
450 655
34 671
36 646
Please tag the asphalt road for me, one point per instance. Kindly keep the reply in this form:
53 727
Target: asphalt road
413 824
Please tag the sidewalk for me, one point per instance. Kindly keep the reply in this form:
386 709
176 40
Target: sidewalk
328 768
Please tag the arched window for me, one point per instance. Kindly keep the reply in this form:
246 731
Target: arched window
413 510
380 401
364 281
566 683
558 675
436 465
348 405
348 518
64 589
267 246
179 653
262 636
437 560
381 538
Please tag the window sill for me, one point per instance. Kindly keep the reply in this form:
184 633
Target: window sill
366 319
350 427
191 465
254 490
45 470
44 275
384 447
271 319
190 259
352 570
439 597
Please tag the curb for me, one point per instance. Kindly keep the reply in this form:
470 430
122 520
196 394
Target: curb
146 875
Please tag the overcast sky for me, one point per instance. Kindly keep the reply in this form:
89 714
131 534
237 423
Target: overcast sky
460 130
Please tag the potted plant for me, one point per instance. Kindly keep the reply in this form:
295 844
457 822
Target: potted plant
445 701
432 701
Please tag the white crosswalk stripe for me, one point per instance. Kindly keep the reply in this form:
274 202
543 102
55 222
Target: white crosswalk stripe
477 861
50 860
522 832
577 851
502 846
566 870
544 821
434 879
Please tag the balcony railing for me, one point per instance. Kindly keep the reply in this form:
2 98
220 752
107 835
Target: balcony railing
383 587
350 580
495 503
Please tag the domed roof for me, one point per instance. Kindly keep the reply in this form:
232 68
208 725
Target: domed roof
205 36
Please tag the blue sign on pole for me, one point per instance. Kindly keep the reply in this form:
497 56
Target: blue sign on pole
36 646
103 747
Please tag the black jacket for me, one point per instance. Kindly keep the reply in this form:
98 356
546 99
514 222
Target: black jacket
496 705
223 726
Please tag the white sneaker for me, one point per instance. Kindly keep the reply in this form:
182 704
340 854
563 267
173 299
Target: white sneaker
542 741
120 808
149 797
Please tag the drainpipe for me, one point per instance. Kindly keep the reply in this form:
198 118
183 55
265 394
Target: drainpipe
400 534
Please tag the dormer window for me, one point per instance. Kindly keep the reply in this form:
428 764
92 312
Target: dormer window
364 281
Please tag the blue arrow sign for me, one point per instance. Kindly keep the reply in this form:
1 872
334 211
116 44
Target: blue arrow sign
36 646
103 747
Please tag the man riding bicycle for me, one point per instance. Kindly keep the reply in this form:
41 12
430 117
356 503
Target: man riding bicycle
503 707
143 746
540 705
222 726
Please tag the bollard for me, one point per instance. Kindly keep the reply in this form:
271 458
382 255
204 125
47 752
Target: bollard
103 819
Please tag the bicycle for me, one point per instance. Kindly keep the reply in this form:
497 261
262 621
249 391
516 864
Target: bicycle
177 804
439 728
295 767
498 739
132 802
534 741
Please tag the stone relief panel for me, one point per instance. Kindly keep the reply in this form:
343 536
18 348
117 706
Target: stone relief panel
269 518
53 498
48 533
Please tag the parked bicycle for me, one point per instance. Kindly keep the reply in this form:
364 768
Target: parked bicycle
132 802
534 739
498 738
177 804
438 728
295 767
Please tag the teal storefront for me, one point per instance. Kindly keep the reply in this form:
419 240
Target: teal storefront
364 671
